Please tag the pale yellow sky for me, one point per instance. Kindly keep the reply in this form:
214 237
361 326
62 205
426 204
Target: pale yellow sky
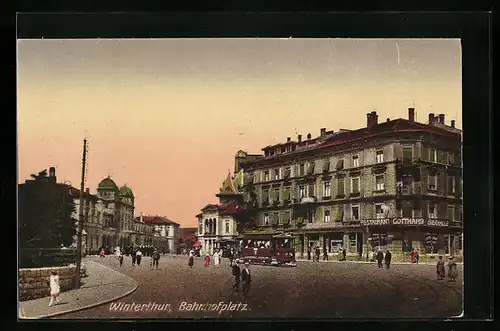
166 116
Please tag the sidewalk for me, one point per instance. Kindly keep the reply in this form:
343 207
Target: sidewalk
375 262
101 286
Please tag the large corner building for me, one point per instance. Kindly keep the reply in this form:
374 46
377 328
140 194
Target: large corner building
395 184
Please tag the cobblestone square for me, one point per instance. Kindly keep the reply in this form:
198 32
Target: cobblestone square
310 290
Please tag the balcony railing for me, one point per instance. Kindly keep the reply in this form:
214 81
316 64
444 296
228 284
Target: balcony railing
411 189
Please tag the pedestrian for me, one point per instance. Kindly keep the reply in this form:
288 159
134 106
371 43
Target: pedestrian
309 253
120 259
417 256
317 253
344 254
156 258
440 270
340 256
388 257
102 254
54 288
138 255
380 258
191 258
325 254
413 256
452 270
207 261
246 277
237 274
371 256
133 254
231 257
216 257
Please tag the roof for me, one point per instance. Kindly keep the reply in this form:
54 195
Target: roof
348 136
125 191
107 183
228 187
75 193
229 208
157 220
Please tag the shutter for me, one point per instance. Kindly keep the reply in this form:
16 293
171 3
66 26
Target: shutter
276 195
425 153
311 190
398 152
340 186
287 173
326 166
286 196
265 195
339 213
310 168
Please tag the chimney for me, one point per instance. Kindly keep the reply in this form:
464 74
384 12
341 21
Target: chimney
308 136
299 138
453 123
52 172
288 139
140 217
411 114
388 119
431 118
371 119
323 132
441 118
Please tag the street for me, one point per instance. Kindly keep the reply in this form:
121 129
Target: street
310 290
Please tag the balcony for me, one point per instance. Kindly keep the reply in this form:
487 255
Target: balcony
308 200
410 189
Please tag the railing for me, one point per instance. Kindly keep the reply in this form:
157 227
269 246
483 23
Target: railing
410 189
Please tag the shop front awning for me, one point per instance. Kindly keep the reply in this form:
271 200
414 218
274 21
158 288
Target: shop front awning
197 244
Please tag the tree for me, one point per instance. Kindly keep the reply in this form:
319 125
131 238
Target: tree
45 213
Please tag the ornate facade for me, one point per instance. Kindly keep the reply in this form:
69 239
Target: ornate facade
395 185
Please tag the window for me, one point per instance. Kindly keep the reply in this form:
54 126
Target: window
450 212
355 161
301 169
432 155
432 182
451 158
451 184
340 186
327 189
266 176
407 211
302 192
276 196
379 211
276 174
266 219
432 210
354 185
310 190
276 218
379 156
340 164
287 172
355 213
227 227
327 215
407 152
379 182
265 196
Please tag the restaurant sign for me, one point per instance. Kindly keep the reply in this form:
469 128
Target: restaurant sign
405 222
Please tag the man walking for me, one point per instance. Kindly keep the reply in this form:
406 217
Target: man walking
156 258
237 274
133 254
317 253
325 254
388 257
344 253
231 257
246 277
380 258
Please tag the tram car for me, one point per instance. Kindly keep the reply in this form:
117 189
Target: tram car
267 249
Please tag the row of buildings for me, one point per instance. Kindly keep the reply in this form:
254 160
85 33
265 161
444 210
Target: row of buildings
109 221
395 184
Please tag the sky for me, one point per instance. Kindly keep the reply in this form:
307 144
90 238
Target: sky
166 116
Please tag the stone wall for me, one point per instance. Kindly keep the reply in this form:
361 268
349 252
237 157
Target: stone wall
34 283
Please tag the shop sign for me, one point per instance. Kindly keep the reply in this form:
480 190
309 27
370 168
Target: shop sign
435 222
405 222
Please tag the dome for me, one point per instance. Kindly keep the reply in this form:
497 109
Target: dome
125 191
107 184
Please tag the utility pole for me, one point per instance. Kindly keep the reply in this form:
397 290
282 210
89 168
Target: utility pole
80 218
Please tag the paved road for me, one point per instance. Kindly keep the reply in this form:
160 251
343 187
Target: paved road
310 290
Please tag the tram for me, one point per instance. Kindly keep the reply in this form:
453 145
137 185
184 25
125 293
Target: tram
267 249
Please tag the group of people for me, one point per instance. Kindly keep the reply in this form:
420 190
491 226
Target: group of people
452 269
315 253
381 258
241 275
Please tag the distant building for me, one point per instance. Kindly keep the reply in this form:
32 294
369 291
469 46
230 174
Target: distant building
164 235
217 223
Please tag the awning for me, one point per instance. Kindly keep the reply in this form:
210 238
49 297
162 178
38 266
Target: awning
197 244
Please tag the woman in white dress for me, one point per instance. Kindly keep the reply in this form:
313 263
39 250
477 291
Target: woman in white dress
216 258
54 288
